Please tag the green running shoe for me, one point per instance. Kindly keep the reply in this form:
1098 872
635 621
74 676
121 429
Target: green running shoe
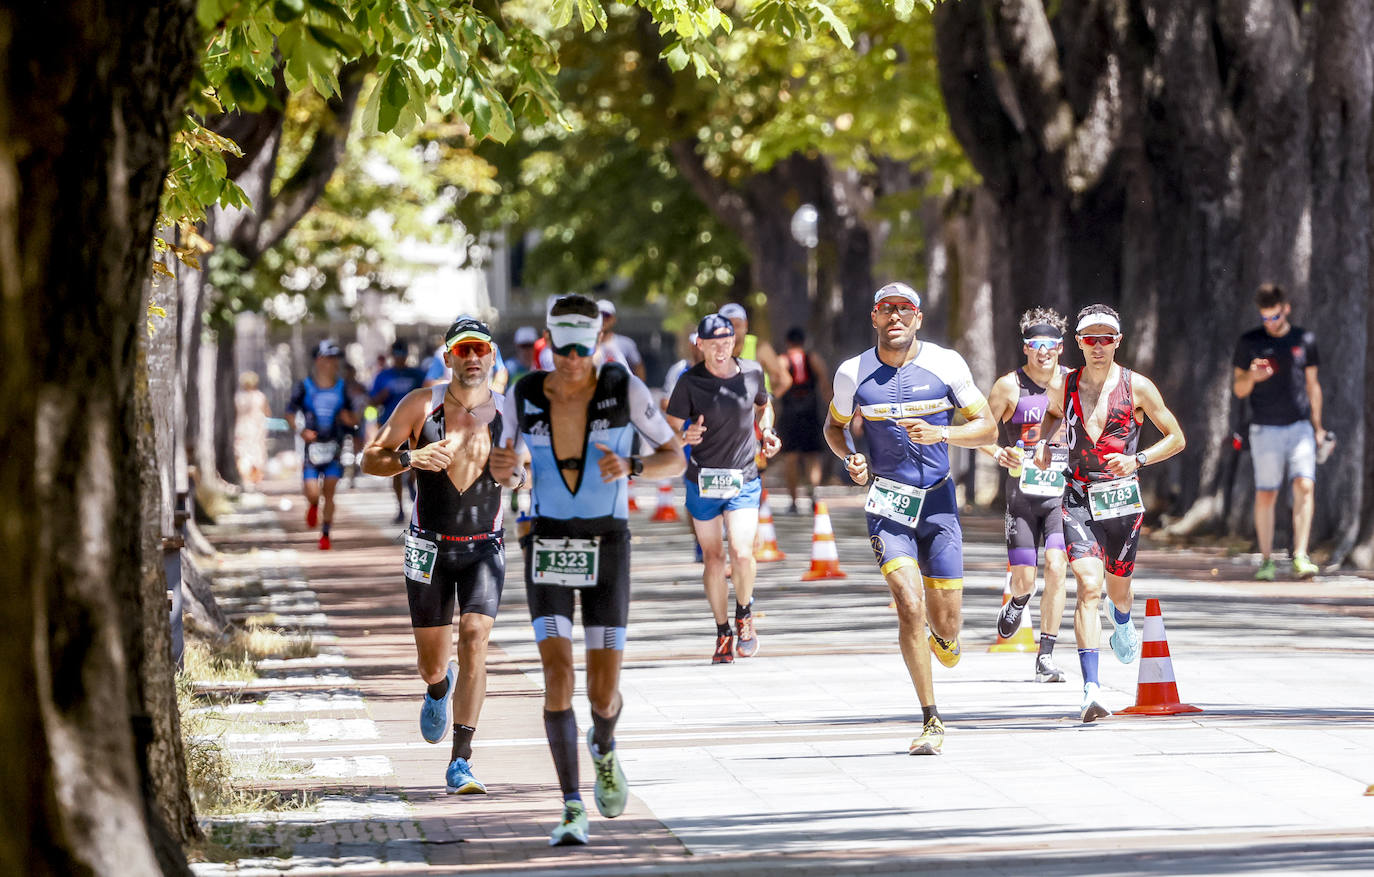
1267 570
931 739
572 831
611 788
1303 567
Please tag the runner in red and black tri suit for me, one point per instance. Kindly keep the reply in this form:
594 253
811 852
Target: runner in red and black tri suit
1102 406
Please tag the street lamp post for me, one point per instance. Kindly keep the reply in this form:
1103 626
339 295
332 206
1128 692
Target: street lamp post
806 231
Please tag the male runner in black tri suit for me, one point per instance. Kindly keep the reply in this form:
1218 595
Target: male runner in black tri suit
454 550
1103 405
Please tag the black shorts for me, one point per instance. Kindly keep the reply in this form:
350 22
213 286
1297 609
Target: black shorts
469 575
800 428
1030 522
1115 540
605 607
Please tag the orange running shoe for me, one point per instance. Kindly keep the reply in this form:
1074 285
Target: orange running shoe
324 543
748 644
725 651
312 516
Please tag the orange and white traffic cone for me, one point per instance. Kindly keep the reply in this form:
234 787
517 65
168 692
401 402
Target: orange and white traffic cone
825 560
665 511
1024 639
1156 693
766 548
631 505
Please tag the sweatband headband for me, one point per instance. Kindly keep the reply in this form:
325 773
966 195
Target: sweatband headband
1043 329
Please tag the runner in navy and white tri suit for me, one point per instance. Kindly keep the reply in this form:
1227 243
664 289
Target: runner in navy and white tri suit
577 424
1102 406
454 552
1018 402
908 392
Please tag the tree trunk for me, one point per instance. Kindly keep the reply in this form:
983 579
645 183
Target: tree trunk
1166 157
87 101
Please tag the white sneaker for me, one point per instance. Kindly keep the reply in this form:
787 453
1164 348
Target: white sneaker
1092 709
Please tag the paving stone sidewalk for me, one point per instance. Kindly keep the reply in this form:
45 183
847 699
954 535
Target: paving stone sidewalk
793 761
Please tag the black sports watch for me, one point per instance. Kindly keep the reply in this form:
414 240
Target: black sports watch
636 465
404 457
1140 460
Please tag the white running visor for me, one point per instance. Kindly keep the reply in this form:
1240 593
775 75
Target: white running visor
1098 320
566 329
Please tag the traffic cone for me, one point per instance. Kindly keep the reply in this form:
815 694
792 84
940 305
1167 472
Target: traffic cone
1024 639
630 489
1156 693
766 545
665 511
825 560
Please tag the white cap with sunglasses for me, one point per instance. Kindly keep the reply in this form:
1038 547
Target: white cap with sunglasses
567 330
1098 320
898 290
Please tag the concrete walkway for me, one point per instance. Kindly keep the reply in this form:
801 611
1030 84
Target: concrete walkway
794 761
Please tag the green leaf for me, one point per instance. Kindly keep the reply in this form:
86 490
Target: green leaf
395 96
345 44
676 56
593 14
561 13
828 16
287 11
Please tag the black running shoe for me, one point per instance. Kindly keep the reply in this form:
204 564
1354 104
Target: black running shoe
1009 619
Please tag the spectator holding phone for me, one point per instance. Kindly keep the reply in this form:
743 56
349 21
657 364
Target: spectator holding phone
1275 367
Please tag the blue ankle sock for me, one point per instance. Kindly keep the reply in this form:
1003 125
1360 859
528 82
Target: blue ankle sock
1120 617
1087 660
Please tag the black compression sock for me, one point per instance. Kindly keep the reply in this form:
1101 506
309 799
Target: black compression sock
462 742
561 728
1020 602
1047 643
929 712
438 689
744 611
723 629
324 530
603 731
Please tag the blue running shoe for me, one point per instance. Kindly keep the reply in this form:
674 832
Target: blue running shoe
436 715
1125 642
460 779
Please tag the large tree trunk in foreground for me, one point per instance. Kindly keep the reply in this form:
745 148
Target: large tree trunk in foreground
1166 157
88 95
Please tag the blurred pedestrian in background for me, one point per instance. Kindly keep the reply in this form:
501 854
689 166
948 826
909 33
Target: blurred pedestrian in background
799 423
251 411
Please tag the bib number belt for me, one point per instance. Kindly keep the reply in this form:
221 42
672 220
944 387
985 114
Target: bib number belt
1115 499
322 453
720 483
420 557
1042 482
895 501
567 563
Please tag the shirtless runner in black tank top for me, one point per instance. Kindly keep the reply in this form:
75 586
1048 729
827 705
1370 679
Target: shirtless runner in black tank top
1102 405
454 554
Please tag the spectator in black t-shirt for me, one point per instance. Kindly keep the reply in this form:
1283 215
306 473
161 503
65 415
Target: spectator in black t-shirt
1275 366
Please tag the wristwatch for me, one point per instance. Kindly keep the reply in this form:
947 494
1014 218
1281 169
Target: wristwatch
944 434
1140 460
636 465
404 457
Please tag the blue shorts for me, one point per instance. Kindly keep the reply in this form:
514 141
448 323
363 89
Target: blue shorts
936 545
1274 447
710 509
329 470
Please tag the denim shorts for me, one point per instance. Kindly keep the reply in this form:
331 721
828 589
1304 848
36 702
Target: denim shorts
1274 447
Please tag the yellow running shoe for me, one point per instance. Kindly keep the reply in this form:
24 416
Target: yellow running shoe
947 656
931 739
